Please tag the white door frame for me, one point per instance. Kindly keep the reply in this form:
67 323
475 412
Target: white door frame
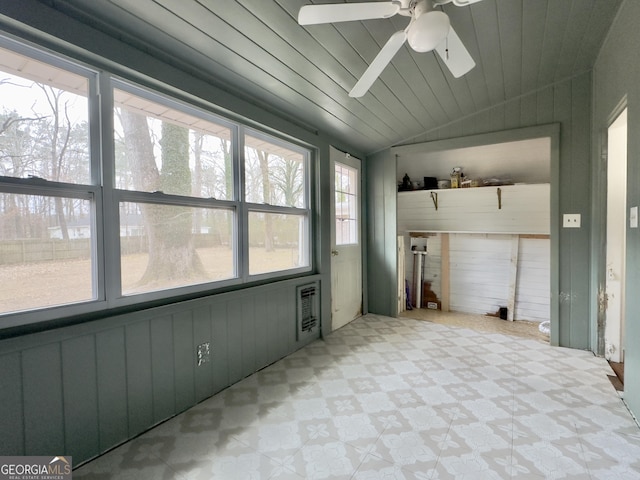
616 237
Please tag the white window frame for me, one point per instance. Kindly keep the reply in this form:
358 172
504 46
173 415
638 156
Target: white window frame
88 191
119 196
248 207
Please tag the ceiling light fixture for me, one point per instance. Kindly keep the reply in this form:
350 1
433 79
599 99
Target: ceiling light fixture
429 28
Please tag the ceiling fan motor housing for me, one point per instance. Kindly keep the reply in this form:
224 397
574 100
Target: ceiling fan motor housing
429 27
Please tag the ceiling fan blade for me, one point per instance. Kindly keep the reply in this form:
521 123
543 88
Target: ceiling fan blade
457 3
346 12
464 3
455 55
379 63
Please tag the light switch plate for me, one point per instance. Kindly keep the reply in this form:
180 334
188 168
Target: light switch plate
633 217
571 220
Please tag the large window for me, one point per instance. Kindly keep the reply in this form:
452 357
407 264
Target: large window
47 200
276 192
186 236
171 199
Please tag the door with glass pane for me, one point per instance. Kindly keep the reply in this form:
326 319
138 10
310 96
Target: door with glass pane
346 252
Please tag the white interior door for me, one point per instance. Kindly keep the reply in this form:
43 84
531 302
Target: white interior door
616 237
346 250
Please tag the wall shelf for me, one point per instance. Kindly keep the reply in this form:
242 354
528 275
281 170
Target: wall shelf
507 209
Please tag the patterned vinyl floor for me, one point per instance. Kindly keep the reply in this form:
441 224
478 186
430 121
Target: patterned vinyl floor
386 398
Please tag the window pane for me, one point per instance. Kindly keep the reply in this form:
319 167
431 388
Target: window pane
277 242
45 251
346 230
346 204
44 117
162 149
167 246
274 174
338 187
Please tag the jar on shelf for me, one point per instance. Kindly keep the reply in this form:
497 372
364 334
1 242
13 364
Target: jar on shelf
456 177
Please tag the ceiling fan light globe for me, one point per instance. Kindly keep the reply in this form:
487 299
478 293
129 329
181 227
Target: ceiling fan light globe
428 31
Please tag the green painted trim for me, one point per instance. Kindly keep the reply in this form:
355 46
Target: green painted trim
553 131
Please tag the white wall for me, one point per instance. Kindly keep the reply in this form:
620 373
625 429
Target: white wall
519 209
533 285
481 273
490 264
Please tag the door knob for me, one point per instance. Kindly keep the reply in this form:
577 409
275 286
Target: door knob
335 252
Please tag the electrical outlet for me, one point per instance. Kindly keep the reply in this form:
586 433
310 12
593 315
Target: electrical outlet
571 220
203 353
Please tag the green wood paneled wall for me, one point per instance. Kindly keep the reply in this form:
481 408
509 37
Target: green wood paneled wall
83 389
381 254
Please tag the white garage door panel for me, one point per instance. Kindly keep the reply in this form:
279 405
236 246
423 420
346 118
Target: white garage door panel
480 275
533 294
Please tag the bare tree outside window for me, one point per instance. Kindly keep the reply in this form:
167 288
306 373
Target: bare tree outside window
275 179
172 254
180 244
45 240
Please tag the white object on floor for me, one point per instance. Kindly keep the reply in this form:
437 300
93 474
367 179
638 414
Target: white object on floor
545 327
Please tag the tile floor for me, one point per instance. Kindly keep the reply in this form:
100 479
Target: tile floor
386 398
485 323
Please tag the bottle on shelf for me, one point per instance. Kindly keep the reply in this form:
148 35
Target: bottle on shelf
456 177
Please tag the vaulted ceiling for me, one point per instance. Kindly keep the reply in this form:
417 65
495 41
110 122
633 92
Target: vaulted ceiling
258 50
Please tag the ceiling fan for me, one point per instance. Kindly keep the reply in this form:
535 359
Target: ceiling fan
429 29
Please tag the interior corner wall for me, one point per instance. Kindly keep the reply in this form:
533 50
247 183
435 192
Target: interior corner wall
615 76
380 175
569 104
81 390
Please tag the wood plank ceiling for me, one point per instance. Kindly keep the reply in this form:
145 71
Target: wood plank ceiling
257 49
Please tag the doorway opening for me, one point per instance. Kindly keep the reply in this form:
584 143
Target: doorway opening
616 242
481 254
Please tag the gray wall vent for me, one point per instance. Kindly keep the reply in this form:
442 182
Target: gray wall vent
307 318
